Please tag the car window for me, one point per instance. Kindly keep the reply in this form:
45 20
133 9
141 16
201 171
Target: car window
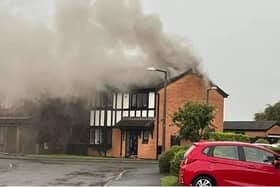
189 151
206 151
228 152
258 155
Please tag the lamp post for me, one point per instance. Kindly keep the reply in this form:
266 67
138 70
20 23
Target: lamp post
207 92
164 103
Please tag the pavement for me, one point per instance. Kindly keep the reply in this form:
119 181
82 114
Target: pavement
19 170
100 159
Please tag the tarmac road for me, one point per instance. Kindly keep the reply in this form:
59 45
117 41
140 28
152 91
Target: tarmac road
14 172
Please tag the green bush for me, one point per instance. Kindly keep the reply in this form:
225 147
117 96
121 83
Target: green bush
220 136
175 162
169 181
166 157
261 140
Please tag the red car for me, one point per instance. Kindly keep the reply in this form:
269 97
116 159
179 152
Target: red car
229 164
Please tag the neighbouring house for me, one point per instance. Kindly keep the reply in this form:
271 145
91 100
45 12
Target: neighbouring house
53 126
129 123
16 135
16 130
269 130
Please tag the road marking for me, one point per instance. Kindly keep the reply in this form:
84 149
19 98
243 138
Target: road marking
115 178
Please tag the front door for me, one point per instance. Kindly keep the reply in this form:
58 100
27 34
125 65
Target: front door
131 143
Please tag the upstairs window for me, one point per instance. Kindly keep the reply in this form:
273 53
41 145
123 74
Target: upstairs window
104 100
139 100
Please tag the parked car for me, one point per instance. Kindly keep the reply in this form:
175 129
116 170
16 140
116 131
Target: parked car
229 163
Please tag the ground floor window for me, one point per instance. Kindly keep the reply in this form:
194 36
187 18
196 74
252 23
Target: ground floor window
101 135
145 138
175 140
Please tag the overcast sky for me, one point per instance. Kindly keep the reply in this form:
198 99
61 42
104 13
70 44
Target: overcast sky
237 40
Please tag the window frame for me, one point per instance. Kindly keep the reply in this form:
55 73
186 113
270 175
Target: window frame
174 138
139 103
103 100
146 133
106 135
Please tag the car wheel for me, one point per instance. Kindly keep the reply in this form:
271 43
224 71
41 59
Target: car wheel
203 181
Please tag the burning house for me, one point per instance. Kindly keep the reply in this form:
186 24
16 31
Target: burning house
79 50
129 123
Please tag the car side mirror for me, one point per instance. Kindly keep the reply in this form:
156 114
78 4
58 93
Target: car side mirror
276 163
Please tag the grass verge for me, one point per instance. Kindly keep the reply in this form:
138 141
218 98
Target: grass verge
169 181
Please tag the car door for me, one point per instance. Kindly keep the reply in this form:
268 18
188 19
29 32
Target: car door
259 168
226 165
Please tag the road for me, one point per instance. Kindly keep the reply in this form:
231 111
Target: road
72 173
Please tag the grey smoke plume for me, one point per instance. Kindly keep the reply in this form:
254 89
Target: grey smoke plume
85 46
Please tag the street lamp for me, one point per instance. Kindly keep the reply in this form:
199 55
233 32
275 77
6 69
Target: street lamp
207 92
164 103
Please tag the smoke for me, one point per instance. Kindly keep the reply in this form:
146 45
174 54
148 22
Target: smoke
86 46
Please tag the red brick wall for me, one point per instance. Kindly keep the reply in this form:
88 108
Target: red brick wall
188 88
148 151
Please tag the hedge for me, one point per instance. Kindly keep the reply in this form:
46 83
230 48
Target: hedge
276 149
220 136
176 161
261 140
166 157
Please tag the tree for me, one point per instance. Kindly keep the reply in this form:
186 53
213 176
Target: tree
271 112
194 120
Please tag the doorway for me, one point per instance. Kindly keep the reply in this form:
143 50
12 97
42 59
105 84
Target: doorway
131 143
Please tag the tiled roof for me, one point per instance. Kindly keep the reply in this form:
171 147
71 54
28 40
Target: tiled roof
249 125
189 72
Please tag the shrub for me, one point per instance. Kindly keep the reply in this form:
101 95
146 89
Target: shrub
166 157
169 181
276 149
261 140
219 136
176 161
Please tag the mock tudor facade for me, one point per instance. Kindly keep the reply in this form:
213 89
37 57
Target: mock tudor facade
128 123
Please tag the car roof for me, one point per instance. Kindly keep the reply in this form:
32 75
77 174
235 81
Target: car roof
216 143
212 143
